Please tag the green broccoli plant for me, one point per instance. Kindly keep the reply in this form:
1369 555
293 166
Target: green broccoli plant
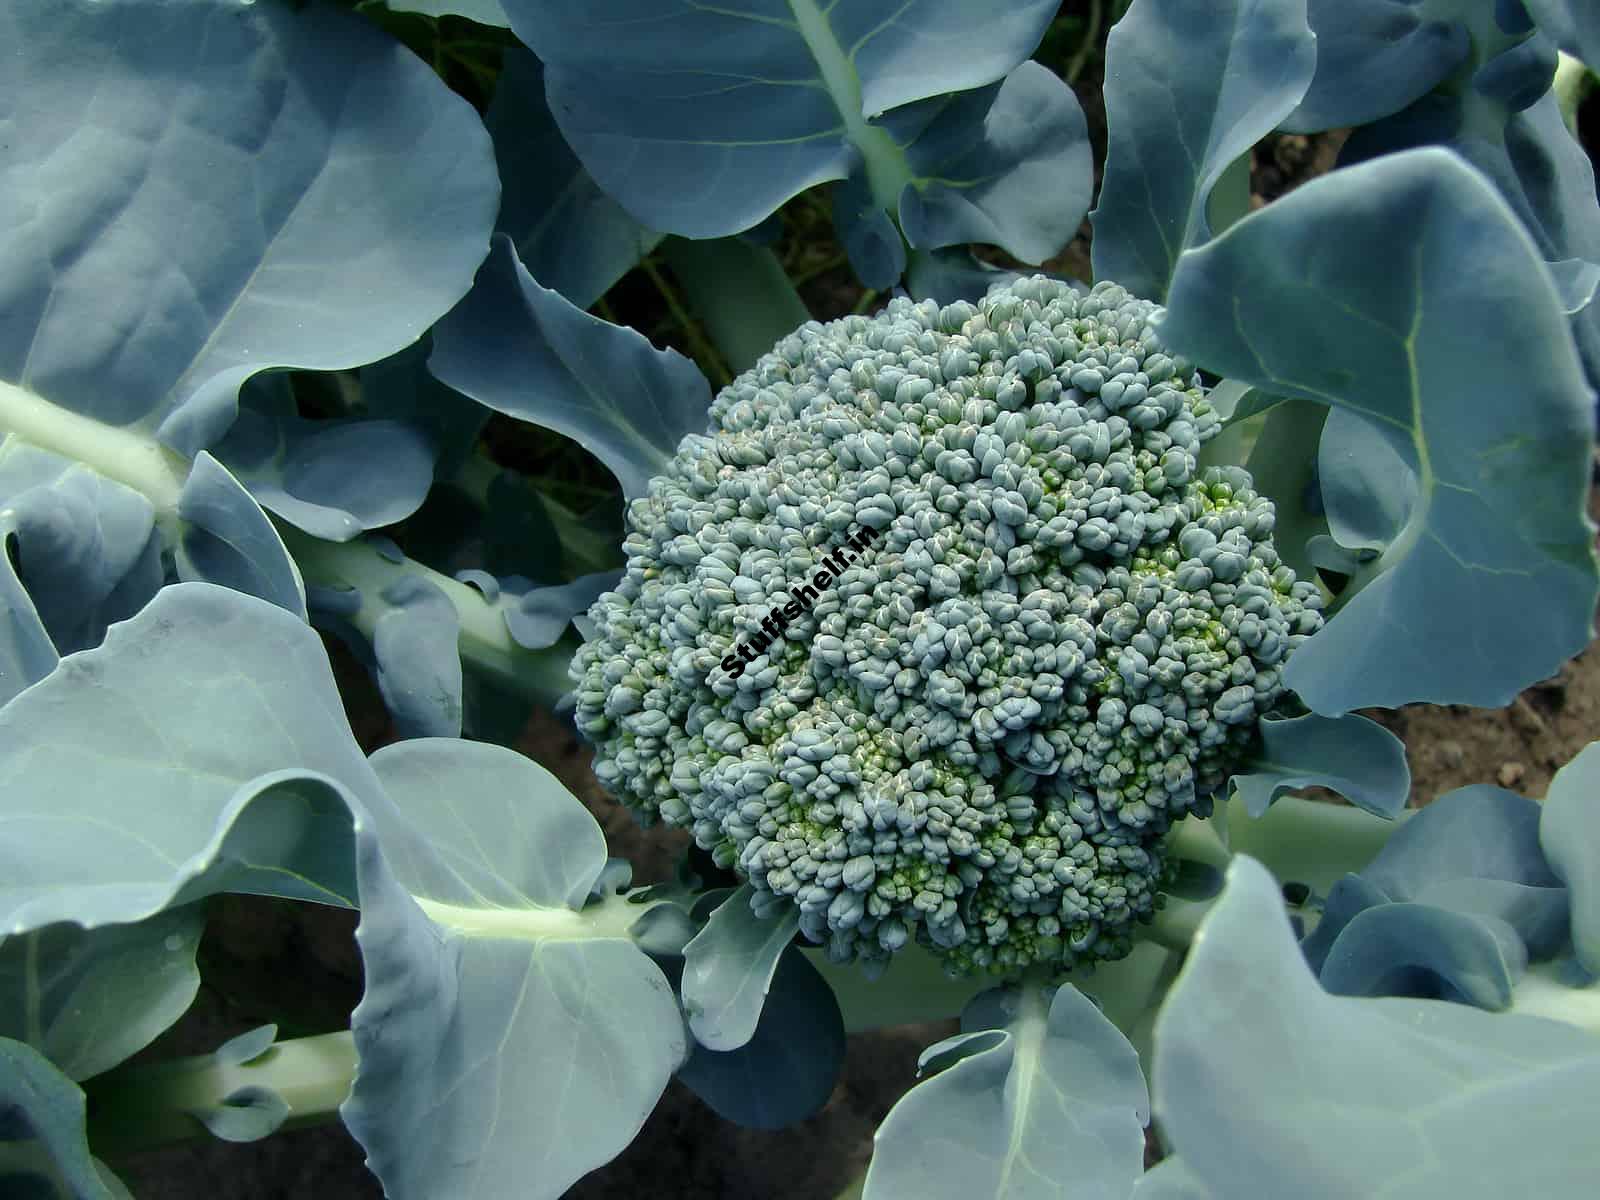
978 734
985 641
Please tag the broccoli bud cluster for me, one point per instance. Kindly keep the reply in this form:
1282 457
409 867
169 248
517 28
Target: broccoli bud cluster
977 736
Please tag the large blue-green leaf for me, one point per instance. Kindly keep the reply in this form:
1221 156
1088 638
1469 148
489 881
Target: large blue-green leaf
525 350
728 968
325 475
1475 832
192 191
1374 57
1539 915
787 1070
1368 490
44 1151
1574 25
1569 833
1346 899
1263 1082
702 119
1007 165
152 769
572 236
538 616
1358 758
484 12
1456 903
508 1043
401 388
1282 464
871 240
83 551
225 538
1189 89
956 274
1426 951
1551 183
1349 291
1539 169
89 998
547 850
1171 1179
1504 119
1039 1096
418 665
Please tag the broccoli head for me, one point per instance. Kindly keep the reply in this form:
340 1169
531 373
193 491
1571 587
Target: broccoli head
972 725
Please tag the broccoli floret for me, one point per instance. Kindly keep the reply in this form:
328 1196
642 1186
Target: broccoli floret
975 735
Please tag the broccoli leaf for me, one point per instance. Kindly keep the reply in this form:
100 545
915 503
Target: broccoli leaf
162 779
1368 491
540 1047
787 1070
82 551
1427 951
1039 1096
484 12
1505 121
1569 833
1450 1100
1349 292
1358 758
227 539
1475 832
728 969
875 247
703 120
418 665
1283 465
401 389
246 1114
1007 165
44 1151
1374 57
537 617
316 473
93 997
1457 903
523 349
1540 171
487 993
1572 26
572 236
1188 91
1171 1179
262 186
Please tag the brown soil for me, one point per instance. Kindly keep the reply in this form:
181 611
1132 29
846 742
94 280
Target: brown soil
1519 747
